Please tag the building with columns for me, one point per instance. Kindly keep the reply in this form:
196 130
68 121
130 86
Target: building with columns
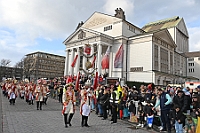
150 54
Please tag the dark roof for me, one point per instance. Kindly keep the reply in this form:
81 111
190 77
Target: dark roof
192 54
162 24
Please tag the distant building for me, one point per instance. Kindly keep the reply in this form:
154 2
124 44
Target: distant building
11 72
43 65
152 53
193 65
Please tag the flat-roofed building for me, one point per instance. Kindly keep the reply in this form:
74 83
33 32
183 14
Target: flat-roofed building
43 65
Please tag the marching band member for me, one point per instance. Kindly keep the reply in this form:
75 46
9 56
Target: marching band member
39 94
69 102
31 93
46 90
85 104
12 94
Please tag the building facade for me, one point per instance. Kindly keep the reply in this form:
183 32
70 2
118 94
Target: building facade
193 65
150 54
11 72
43 65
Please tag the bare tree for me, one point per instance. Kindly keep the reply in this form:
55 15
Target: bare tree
20 64
5 62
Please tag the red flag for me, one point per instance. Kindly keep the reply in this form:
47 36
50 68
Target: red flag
119 58
77 81
74 62
69 79
93 61
105 59
96 81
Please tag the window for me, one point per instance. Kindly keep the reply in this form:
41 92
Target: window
108 28
190 64
131 28
191 59
191 70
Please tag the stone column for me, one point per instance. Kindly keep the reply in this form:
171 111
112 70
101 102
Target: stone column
92 51
159 59
77 66
72 59
66 63
84 59
99 59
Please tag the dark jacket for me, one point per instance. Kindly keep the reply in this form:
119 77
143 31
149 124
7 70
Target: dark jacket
148 110
187 103
163 100
104 100
178 116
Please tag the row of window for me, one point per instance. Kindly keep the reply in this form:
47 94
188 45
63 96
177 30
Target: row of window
191 70
108 28
45 56
51 62
131 28
49 67
190 64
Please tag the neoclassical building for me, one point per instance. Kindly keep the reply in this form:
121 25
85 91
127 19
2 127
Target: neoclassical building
152 53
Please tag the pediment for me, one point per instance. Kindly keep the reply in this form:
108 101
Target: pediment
80 34
165 35
99 19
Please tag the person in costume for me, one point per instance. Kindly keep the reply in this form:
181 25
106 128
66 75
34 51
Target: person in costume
46 91
69 102
39 94
31 93
86 95
12 94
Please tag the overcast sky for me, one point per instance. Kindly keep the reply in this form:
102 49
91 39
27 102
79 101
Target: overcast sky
42 25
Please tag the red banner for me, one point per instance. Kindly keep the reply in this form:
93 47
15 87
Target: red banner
119 58
77 81
87 50
105 59
74 62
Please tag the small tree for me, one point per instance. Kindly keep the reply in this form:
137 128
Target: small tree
5 62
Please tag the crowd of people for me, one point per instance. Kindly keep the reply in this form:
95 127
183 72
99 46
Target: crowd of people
29 91
167 107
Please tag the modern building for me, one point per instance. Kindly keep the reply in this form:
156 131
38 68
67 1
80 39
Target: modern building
43 65
11 72
150 54
193 65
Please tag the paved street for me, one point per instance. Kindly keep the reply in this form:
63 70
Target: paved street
24 118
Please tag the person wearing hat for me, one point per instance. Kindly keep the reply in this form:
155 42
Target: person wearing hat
165 106
86 95
39 91
69 102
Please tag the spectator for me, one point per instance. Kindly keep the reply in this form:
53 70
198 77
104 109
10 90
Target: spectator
179 119
165 106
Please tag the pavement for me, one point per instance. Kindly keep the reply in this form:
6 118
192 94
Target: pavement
24 118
